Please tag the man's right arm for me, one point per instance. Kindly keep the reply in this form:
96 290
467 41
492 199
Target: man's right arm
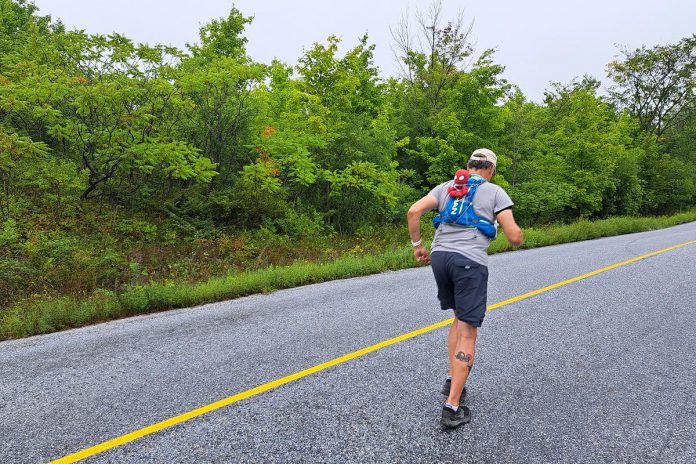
512 231
415 212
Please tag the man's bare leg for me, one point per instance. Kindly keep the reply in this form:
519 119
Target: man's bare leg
452 344
463 359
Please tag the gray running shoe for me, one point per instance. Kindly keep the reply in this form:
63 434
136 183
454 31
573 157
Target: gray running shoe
446 390
452 419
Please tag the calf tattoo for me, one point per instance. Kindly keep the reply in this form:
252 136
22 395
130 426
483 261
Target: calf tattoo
465 358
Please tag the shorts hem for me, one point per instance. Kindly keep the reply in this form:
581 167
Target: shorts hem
477 323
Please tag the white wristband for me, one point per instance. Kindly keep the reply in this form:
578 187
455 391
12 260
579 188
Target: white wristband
415 244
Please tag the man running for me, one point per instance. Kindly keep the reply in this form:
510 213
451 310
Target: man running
460 261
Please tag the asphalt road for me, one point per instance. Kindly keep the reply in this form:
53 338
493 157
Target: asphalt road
599 370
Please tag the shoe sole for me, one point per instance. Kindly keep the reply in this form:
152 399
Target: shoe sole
453 424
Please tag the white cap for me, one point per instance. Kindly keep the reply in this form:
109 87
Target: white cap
484 154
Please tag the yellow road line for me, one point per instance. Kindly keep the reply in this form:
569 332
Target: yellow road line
118 441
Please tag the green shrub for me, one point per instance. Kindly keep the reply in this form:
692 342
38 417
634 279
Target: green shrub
9 234
47 314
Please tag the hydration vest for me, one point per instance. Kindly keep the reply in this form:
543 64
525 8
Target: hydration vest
460 211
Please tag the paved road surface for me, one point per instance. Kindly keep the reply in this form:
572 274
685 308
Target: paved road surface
600 370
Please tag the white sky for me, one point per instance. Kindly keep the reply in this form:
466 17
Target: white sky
538 41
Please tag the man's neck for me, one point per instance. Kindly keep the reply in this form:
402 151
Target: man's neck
480 173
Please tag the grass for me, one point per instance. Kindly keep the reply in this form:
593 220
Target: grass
50 314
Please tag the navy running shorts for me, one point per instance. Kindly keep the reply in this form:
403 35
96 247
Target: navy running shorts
462 285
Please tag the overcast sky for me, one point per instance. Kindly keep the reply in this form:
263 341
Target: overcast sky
538 41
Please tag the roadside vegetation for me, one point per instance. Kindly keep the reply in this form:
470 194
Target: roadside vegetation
138 177
44 315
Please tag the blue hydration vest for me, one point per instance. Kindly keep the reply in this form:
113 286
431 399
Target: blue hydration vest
460 211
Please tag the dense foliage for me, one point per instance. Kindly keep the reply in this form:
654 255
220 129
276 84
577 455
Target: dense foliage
123 163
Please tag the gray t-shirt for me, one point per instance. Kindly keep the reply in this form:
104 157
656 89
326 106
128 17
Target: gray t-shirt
490 199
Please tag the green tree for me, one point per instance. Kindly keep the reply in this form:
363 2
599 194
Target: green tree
13 148
328 136
573 157
18 18
468 118
656 84
443 106
112 107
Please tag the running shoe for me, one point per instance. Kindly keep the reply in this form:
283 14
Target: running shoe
446 390
453 419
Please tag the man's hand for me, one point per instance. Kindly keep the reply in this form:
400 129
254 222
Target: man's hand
421 254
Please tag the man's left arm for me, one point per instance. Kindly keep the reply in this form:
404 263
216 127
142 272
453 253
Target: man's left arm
504 216
415 212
